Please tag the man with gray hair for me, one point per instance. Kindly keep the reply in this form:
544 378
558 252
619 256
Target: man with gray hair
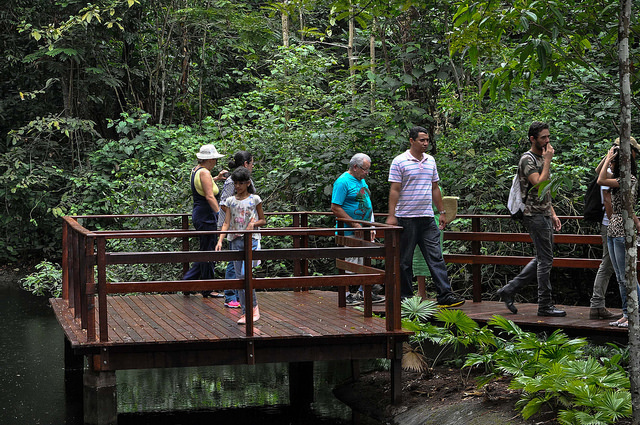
351 199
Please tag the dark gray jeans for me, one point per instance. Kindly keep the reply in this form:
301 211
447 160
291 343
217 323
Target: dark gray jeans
541 231
424 232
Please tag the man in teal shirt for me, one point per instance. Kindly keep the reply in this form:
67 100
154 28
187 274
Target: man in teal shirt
351 199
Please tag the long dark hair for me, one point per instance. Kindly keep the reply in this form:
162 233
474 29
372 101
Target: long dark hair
616 168
616 165
239 159
242 174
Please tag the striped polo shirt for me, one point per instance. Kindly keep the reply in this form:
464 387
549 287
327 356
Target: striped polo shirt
416 179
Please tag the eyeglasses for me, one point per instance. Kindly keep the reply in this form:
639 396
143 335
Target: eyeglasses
366 170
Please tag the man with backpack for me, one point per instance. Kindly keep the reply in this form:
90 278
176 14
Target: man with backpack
540 220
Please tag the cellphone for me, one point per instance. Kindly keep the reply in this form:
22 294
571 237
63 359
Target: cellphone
226 175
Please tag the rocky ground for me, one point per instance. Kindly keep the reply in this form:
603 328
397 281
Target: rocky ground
443 396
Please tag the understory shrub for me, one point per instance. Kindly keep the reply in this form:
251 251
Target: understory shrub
581 383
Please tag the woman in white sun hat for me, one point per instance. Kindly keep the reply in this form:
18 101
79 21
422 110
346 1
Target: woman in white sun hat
205 211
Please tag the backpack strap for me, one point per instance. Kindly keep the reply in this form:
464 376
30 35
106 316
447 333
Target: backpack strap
526 192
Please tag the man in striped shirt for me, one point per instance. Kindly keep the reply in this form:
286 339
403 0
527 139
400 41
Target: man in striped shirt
414 189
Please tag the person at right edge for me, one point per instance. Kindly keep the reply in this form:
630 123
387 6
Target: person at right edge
540 221
616 229
598 310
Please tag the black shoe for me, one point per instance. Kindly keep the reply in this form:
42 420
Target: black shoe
551 311
507 298
377 289
450 301
375 298
351 300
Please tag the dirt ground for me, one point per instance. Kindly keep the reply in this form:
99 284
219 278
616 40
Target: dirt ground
451 392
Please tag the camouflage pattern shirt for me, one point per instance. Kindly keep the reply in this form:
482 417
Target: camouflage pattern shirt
531 163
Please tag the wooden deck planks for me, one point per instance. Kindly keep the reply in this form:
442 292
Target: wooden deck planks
173 318
575 323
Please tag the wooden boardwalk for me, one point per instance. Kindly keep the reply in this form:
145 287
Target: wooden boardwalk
111 326
167 330
576 323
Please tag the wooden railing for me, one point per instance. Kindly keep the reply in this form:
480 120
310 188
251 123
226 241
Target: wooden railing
476 236
85 252
85 256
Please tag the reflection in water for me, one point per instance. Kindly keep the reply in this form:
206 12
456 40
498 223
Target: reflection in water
31 360
33 388
242 394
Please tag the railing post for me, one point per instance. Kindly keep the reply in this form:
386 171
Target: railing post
304 266
342 290
368 307
392 279
90 291
75 270
82 278
248 286
102 289
297 243
185 241
65 260
476 269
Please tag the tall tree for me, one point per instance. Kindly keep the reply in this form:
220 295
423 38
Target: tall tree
629 208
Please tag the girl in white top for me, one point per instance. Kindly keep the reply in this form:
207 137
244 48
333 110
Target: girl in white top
243 211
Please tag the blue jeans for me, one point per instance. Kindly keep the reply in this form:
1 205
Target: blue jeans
424 232
230 294
238 245
617 252
605 271
541 232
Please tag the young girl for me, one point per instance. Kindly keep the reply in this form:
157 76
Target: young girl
240 159
243 211
615 230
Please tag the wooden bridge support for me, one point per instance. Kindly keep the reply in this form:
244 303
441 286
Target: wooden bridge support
100 398
73 381
301 393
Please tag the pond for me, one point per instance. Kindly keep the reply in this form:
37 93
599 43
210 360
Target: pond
33 383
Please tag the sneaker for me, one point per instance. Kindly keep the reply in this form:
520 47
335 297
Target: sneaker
451 301
232 304
375 298
212 294
551 311
352 300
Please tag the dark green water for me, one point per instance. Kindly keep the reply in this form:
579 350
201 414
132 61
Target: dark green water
32 389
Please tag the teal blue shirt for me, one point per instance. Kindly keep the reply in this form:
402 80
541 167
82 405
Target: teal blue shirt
353 196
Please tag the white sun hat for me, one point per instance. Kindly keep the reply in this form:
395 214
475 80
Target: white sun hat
208 152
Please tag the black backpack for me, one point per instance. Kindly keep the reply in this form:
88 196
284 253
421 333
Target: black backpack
593 207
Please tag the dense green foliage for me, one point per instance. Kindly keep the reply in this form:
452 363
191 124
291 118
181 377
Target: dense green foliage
105 104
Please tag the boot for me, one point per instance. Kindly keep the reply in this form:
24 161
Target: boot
601 313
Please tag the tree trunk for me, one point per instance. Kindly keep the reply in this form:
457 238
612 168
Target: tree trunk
372 67
285 24
629 226
352 69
